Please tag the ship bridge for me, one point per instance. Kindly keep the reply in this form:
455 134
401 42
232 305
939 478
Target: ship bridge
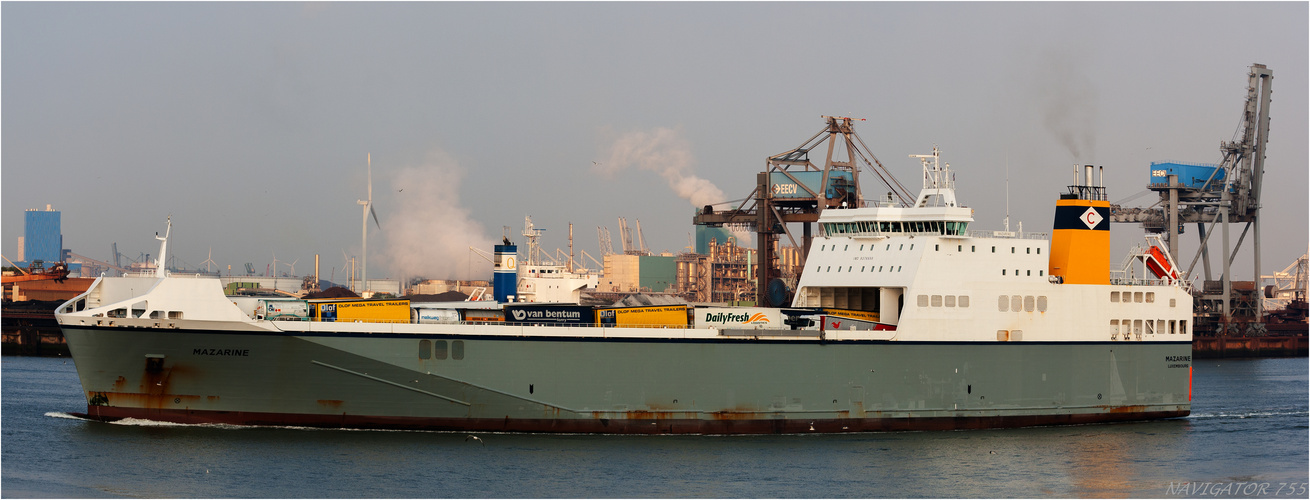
935 211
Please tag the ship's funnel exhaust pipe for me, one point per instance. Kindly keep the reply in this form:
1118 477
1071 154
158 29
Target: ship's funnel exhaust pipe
1080 239
505 275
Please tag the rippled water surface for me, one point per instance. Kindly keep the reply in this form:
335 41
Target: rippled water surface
1249 425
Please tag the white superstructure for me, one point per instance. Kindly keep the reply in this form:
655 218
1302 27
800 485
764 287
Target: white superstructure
925 274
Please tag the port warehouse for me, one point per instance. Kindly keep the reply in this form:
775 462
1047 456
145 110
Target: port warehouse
666 316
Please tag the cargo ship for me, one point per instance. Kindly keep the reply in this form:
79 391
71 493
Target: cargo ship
903 319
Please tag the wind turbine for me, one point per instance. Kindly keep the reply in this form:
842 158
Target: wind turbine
209 260
368 209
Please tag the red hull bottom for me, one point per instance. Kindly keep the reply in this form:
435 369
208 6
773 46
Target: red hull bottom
609 426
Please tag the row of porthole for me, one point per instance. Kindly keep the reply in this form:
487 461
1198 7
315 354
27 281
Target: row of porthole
1020 303
1136 327
1040 272
828 269
846 248
936 247
974 248
1148 297
426 350
944 300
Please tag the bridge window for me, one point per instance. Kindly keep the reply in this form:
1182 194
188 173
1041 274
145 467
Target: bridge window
923 300
1003 304
1150 297
964 301
950 301
936 300
1041 303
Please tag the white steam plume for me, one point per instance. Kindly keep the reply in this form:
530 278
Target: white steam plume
430 232
666 152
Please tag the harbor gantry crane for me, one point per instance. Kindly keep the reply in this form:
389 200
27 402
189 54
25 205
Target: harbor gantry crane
792 189
1217 195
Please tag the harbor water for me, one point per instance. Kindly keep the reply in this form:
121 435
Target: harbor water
1247 437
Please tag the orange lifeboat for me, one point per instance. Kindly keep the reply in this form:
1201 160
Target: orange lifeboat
1160 265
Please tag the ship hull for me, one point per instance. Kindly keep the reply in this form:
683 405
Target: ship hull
635 385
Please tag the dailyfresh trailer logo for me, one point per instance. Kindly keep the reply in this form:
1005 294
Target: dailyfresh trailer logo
742 318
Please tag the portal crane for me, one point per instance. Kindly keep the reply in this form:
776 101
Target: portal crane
792 189
1225 193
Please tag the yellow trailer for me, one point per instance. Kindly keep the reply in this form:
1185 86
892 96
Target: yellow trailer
361 311
650 316
853 314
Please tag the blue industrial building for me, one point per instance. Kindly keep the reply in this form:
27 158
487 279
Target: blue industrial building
42 239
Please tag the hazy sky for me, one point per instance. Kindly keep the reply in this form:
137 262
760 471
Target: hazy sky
250 123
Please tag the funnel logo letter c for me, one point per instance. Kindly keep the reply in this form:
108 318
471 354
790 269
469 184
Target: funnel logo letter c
1091 218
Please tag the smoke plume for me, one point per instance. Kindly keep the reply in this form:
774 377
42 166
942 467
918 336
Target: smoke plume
1069 103
667 153
430 233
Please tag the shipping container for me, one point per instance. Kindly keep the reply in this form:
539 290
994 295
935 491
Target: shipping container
483 315
362 311
646 316
549 314
739 317
233 287
282 310
428 316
